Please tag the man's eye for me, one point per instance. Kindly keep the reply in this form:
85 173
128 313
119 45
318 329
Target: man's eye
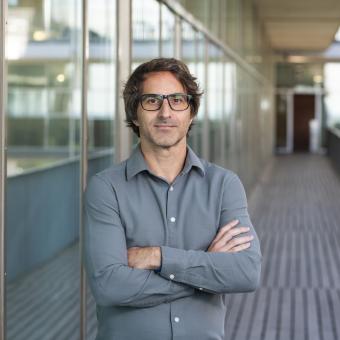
178 100
151 100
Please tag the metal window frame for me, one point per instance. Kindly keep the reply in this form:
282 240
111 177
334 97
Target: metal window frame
180 11
3 166
123 135
83 163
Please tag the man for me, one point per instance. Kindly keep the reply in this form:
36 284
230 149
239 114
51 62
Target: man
167 234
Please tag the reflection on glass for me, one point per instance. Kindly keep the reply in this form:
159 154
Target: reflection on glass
145 31
196 139
190 57
168 32
42 203
332 87
101 103
215 103
229 102
281 120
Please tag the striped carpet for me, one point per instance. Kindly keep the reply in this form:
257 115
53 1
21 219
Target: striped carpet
296 212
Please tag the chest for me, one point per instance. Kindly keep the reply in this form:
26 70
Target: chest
183 215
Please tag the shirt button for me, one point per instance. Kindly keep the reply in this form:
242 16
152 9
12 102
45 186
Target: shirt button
172 276
171 188
176 318
172 219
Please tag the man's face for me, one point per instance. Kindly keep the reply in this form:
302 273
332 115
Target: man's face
165 127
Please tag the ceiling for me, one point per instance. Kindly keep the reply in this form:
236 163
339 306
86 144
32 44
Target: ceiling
300 25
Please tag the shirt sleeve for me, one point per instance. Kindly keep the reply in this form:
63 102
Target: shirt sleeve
219 272
111 280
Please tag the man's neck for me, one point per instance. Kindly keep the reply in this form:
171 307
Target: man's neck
165 162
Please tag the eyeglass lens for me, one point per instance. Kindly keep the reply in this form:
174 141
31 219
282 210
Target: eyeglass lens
153 102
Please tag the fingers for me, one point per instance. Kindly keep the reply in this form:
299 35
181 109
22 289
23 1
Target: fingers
240 247
225 229
236 243
228 235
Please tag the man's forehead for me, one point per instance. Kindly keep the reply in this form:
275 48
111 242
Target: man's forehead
156 78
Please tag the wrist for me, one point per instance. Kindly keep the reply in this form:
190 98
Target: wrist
156 258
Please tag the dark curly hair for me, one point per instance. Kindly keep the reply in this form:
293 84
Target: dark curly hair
133 87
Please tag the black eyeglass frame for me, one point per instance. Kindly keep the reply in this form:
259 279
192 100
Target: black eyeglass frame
164 96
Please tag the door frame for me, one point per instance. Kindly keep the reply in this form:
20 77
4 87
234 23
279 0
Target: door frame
289 93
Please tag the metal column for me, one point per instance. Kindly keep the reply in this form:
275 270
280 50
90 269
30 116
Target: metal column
83 162
123 136
3 148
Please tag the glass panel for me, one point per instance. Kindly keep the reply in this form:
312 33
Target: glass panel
215 102
197 131
145 31
101 102
332 100
189 56
229 108
281 120
43 169
168 33
145 34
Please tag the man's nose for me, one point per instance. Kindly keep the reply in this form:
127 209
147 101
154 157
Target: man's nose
165 111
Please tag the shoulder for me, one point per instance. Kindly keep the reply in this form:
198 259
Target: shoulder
214 171
106 180
115 172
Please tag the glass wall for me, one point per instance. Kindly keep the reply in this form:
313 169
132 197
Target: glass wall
168 31
214 93
42 207
101 99
229 107
146 30
332 87
200 73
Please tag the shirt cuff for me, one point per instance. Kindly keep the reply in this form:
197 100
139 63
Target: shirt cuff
158 270
174 262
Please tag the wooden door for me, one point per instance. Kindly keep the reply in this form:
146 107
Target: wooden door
304 111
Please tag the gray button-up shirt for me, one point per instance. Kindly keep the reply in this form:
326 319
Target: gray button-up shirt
127 205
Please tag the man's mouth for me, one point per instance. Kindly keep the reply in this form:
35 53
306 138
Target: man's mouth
162 126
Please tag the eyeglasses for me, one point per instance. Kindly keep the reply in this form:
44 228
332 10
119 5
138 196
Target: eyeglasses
176 101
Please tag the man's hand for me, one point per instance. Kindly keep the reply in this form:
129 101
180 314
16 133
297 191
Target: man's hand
225 240
144 257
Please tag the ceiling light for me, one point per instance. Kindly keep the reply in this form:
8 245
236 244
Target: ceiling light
317 79
60 78
39 35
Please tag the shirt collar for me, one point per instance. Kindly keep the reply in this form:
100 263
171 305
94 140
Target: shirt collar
136 163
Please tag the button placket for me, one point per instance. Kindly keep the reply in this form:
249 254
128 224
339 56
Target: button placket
171 215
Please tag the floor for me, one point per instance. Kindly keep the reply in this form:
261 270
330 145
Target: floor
296 211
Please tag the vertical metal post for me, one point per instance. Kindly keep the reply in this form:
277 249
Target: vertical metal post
83 162
123 140
178 37
160 29
205 132
3 148
224 115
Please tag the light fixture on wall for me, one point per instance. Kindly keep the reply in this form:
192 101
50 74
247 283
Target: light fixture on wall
317 78
40 36
60 78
